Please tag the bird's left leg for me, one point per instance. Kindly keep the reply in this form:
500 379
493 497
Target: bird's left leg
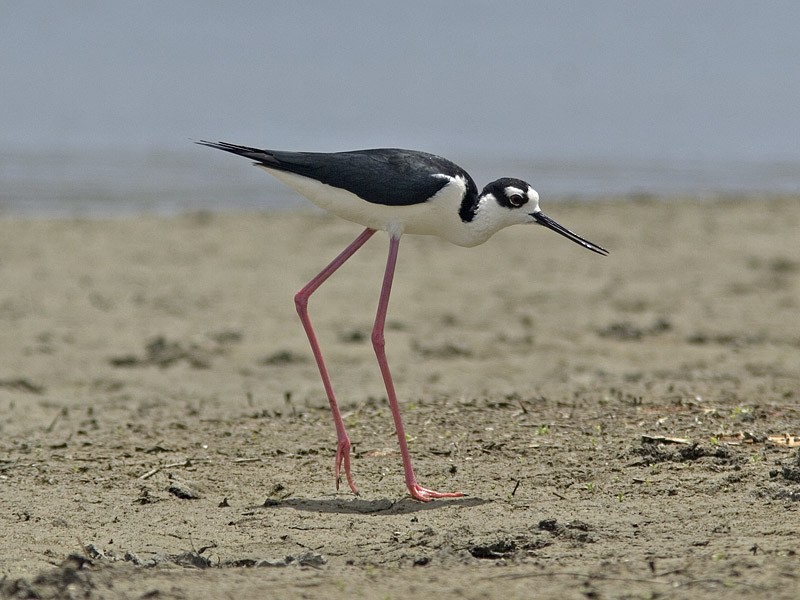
378 342
301 302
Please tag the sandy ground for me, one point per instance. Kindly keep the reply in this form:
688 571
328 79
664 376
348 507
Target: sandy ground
619 423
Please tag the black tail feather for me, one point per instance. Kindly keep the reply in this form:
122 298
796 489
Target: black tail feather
262 157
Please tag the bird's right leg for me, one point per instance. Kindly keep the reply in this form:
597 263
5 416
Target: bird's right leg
301 302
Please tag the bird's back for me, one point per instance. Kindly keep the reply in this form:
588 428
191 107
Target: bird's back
388 176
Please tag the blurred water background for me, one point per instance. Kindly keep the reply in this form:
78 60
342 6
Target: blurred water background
100 101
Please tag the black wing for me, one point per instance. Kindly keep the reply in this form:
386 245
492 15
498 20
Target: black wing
387 176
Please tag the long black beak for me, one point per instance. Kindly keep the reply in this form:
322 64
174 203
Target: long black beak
543 219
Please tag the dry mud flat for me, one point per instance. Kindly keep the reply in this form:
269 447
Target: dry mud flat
624 426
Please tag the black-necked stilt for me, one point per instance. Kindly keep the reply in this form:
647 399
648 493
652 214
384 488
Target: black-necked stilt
397 191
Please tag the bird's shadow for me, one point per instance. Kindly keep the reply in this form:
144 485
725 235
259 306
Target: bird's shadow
383 506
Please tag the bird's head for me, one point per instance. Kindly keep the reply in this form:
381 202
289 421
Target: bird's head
512 201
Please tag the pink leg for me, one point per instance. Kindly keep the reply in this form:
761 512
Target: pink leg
301 302
417 491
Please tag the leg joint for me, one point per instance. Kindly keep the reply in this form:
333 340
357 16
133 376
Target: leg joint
301 302
378 340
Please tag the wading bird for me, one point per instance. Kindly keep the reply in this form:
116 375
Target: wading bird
397 191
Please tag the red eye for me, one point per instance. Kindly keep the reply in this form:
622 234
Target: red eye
517 200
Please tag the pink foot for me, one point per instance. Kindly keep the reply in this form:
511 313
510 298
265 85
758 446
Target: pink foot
343 458
424 495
